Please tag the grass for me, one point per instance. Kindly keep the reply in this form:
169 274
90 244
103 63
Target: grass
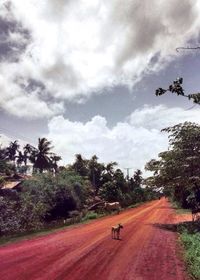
135 205
178 209
91 216
190 239
191 243
189 233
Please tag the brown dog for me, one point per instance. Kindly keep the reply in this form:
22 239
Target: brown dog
115 231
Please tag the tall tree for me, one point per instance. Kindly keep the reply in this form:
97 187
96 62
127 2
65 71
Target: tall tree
54 162
120 181
95 172
41 157
28 151
178 170
80 165
20 158
108 172
11 151
137 178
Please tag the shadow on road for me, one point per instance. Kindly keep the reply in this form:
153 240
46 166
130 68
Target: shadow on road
117 239
190 227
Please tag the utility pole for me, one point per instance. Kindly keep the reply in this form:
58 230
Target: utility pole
127 170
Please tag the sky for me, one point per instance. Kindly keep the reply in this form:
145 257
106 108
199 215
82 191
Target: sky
83 74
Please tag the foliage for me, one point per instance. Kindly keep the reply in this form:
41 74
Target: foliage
6 168
61 194
2 153
177 171
176 87
19 216
80 165
189 233
2 181
90 216
110 192
11 150
191 244
9 221
48 198
41 156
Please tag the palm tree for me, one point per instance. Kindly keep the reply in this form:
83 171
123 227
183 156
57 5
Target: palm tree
54 159
80 165
108 172
11 151
137 178
28 151
110 167
41 156
20 158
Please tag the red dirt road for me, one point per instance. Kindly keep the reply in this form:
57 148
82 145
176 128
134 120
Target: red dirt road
87 252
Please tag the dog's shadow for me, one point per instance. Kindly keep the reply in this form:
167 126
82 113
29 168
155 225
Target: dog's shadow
117 239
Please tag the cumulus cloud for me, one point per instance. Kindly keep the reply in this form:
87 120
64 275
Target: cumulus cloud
18 100
160 116
131 143
4 140
77 48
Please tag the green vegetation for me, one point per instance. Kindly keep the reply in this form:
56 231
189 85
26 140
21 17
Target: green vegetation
191 244
190 238
177 174
55 196
176 88
91 216
179 209
177 171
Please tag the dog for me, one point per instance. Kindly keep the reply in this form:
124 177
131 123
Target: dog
115 231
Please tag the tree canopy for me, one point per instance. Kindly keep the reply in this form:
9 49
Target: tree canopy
177 88
177 170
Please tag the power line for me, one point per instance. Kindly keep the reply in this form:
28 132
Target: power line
15 134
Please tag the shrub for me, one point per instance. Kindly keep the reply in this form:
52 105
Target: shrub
2 181
192 254
90 216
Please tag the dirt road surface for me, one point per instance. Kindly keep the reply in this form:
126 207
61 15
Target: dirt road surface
87 252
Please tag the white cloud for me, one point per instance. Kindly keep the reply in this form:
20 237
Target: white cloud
80 47
160 116
131 143
4 140
17 101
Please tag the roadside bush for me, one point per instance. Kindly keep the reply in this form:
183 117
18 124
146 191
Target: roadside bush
2 181
9 221
90 216
191 243
110 192
42 200
23 215
62 193
6 167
